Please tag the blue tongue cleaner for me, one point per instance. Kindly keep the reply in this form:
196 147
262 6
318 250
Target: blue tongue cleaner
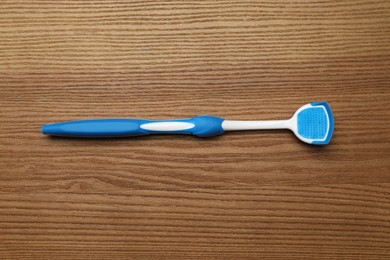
316 123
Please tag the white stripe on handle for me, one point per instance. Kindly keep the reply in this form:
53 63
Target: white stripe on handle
167 126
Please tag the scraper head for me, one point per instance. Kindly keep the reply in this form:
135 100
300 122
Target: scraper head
313 123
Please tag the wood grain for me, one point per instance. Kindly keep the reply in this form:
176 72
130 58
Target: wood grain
240 195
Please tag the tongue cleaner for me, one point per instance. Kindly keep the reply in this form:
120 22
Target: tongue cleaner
312 123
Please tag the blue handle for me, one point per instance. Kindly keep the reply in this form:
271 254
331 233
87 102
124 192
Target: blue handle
202 126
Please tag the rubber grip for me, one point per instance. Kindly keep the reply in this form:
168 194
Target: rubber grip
202 126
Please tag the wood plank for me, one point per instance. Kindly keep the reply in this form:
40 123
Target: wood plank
246 195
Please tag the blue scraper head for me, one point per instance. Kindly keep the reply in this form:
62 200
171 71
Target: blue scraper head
314 123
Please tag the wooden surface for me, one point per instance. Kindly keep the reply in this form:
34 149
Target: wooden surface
240 195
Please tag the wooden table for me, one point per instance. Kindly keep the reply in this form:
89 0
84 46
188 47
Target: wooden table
240 195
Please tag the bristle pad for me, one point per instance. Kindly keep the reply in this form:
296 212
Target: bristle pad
312 123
